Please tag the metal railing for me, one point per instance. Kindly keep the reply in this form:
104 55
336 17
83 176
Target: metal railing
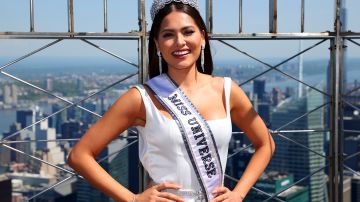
335 39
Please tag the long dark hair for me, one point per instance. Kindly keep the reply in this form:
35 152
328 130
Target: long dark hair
154 32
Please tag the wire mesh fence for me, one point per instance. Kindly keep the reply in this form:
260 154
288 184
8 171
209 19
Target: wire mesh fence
310 106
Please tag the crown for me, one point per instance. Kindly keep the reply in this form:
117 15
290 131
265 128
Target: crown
160 4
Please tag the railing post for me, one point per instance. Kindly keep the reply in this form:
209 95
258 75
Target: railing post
142 43
70 16
302 26
272 16
336 116
105 16
32 24
143 72
209 16
240 16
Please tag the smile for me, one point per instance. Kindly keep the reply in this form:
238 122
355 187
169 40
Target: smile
181 53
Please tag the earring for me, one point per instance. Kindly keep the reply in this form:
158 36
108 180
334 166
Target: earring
202 57
160 62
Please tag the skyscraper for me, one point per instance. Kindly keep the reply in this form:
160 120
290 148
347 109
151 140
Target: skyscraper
16 156
71 129
116 165
355 188
259 89
351 122
25 117
10 93
292 158
6 189
48 148
59 118
49 84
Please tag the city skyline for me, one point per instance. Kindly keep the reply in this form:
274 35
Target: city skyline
52 17
70 70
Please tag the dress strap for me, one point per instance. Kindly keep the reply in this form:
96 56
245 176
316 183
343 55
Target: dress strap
227 89
145 97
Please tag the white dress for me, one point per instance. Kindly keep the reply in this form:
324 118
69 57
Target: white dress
161 147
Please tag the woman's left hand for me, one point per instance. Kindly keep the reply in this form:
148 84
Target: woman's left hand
224 194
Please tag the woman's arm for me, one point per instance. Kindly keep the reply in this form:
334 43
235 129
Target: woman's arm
127 111
121 115
245 117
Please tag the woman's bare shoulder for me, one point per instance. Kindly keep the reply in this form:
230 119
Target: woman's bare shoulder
217 82
130 103
238 98
132 95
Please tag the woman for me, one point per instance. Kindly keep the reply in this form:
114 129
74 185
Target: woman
183 116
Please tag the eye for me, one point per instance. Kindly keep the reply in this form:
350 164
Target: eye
165 35
188 32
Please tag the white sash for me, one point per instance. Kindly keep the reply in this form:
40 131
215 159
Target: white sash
198 138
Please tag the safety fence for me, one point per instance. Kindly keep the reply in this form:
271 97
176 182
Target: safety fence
309 128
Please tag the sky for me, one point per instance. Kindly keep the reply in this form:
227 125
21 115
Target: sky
51 16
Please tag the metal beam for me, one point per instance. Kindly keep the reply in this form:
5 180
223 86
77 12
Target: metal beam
105 16
336 122
209 15
302 26
143 72
32 23
273 16
240 16
70 16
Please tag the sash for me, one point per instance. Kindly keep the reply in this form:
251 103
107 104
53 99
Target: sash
196 134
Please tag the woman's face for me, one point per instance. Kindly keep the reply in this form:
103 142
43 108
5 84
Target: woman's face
179 40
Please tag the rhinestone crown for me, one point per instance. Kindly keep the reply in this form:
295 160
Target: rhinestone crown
160 4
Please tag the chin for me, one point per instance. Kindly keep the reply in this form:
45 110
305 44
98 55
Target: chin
182 65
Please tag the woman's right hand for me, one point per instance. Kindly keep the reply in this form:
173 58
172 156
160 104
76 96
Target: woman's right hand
154 194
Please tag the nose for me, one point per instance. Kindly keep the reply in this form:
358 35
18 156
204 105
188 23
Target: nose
180 40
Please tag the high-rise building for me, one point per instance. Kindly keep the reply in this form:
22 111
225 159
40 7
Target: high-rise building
89 118
351 122
7 94
293 159
5 156
59 118
263 109
43 132
236 165
14 93
116 164
27 148
133 164
6 189
270 182
16 156
355 188
79 84
352 146
25 117
10 94
346 189
259 89
260 101
49 84
276 96
274 182
48 148
71 129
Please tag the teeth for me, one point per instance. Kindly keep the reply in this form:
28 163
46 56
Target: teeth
181 52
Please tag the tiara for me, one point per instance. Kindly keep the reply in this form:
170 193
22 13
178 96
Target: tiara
160 4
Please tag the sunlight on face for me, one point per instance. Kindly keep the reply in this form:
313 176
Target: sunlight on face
180 40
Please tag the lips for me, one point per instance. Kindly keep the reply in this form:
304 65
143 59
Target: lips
181 53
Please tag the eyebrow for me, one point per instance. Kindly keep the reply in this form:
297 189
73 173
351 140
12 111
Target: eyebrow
173 30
